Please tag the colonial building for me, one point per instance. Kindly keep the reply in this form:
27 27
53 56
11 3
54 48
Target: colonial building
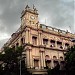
44 46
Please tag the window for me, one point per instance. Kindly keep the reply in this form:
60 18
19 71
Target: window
36 63
66 45
59 44
34 40
54 58
22 41
52 43
55 61
47 61
61 58
62 63
45 41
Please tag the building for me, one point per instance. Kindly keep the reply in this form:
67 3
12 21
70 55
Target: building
44 46
0 50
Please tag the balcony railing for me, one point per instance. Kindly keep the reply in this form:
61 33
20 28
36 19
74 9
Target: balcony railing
56 31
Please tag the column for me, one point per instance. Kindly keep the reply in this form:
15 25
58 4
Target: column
44 59
29 36
56 44
39 39
39 65
20 41
27 57
26 39
31 64
41 60
63 45
52 64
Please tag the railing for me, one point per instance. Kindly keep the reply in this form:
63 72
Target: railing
46 28
57 31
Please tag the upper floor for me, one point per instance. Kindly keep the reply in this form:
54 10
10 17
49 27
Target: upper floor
36 34
39 38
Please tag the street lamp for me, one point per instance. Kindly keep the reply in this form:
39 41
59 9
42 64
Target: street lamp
21 59
20 66
20 63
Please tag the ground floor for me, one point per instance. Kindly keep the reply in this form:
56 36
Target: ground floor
40 59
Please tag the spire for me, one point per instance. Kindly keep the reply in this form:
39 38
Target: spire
33 6
27 7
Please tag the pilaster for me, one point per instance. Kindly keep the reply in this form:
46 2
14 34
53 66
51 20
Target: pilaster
42 56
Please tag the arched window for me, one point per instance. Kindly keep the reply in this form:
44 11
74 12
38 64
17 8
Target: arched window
55 61
62 63
54 58
61 58
47 57
47 61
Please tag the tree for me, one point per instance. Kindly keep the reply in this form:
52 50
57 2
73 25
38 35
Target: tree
70 61
10 61
55 70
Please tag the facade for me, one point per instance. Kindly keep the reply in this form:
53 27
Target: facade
44 46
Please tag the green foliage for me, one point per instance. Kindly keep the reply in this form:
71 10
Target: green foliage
11 61
55 70
70 61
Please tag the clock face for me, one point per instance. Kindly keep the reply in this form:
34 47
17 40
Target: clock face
32 17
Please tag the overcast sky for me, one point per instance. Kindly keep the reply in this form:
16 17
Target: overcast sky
57 13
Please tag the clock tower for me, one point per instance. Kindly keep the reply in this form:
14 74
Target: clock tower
29 16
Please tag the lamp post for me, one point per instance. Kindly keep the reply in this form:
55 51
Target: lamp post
20 66
20 62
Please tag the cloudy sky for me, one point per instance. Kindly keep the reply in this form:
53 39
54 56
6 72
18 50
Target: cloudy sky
56 13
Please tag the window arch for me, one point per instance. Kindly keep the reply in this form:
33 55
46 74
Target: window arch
47 57
54 58
61 58
47 61
55 61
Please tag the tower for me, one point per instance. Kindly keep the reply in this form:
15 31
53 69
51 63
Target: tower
29 16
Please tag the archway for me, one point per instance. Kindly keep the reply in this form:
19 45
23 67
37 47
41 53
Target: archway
47 61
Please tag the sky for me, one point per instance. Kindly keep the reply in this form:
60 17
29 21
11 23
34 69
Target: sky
55 13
